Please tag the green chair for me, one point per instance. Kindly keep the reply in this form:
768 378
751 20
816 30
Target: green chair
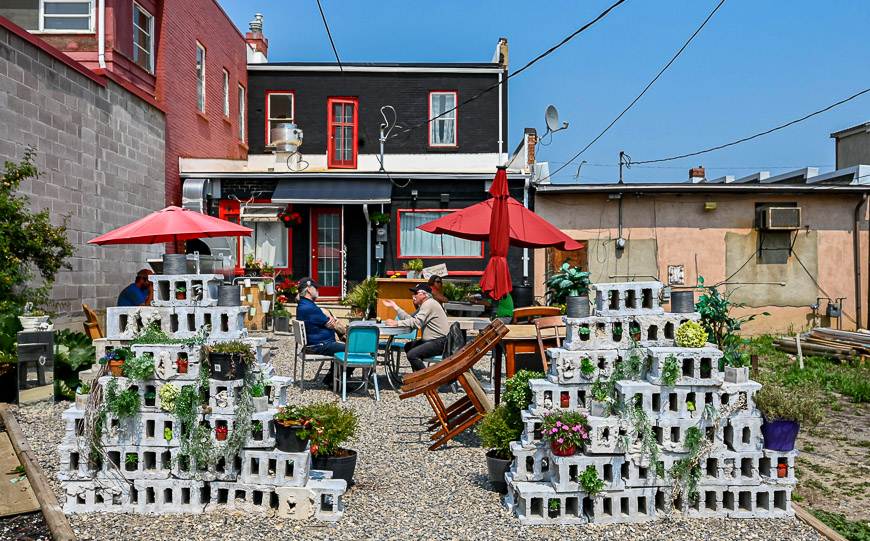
360 351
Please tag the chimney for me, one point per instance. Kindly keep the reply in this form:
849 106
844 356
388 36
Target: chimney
258 45
501 53
531 140
697 174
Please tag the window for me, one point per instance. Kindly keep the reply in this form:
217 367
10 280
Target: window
342 144
241 113
226 93
268 242
280 107
200 77
442 130
414 242
143 38
66 16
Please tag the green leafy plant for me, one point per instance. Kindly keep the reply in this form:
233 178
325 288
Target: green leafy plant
583 332
415 265
459 291
691 335
589 480
124 403
291 415
330 427
852 530
139 367
565 429
687 471
258 389
153 334
257 426
587 368
670 370
73 349
181 289
83 388
498 429
363 297
715 310
235 347
380 218
131 459
168 395
800 404
601 390
567 282
517 393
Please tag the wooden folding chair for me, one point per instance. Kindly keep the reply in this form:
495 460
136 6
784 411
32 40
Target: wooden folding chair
549 329
451 420
527 314
92 323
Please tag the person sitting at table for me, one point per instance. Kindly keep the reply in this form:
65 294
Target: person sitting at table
437 285
319 327
504 307
139 293
430 317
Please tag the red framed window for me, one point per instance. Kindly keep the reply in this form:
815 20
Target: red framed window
443 129
280 108
270 241
413 243
341 148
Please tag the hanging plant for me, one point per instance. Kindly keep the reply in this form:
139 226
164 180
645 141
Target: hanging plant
289 218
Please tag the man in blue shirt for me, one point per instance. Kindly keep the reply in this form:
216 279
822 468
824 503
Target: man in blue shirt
139 292
319 327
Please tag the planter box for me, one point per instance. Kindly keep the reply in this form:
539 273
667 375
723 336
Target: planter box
736 374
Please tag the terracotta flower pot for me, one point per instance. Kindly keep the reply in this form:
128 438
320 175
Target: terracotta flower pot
181 365
180 295
565 400
562 450
220 433
782 470
116 367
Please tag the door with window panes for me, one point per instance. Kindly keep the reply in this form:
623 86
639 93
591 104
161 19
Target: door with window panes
327 250
341 147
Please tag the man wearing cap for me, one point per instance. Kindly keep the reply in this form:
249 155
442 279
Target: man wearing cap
319 327
430 317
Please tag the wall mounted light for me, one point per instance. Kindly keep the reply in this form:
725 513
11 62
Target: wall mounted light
709 206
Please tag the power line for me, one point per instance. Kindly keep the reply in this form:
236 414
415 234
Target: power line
328 33
759 134
522 69
647 87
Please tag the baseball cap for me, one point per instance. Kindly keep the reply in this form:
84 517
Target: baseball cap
306 282
422 286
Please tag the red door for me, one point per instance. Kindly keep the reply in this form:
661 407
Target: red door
341 147
327 243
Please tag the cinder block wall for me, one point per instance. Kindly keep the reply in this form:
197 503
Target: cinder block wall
100 153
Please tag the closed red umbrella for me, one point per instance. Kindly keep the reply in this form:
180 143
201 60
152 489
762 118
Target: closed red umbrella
496 280
172 224
527 229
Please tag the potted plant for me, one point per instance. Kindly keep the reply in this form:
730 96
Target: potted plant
691 335
584 332
784 410
280 317
258 395
587 368
565 399
83 395
138 367
114 360
570 286
413 267
230 360
168 394
566 431
289 422
600 391
33 319
497 430
221 432
634 330
180 293
617 331
363 297
181 364
331 426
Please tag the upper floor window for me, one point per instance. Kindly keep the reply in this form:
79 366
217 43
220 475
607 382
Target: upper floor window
200 77
341 148
66 16
241 113
143 38
280 108
442 130
226 93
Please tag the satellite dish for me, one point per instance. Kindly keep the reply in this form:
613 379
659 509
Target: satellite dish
552 118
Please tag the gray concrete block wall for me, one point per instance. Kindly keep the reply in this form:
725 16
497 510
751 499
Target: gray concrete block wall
100 154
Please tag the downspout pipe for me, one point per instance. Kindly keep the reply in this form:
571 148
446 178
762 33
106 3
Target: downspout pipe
365 209
101 33
856 251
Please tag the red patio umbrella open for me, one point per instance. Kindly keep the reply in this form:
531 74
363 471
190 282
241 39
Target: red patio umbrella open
496 279
172 224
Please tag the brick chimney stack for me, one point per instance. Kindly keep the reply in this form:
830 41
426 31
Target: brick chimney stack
697 174
258 45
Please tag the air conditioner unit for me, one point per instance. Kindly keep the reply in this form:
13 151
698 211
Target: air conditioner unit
780 218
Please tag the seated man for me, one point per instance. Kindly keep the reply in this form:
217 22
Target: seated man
319 327
138 293
430 317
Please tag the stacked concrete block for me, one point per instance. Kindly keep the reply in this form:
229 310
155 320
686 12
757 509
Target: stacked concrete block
738 477
142 468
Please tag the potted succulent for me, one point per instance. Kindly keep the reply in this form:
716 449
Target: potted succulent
587 368
413 267
181 364
114 360
83 395
583 331
570 286
221 432
331 426
180 293
289 423
691 335
497 430
784 411
230 360
566 431
258 395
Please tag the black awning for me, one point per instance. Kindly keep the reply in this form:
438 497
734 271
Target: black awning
335 191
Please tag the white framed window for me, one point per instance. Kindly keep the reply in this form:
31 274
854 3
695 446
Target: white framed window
241 113
269 242
280 107
226 93
442 130
66 16
143 38
415 242
200 77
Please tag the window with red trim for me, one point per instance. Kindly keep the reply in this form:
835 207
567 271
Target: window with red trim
341 147
413 242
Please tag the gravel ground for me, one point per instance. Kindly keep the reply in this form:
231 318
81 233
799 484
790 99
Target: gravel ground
27 527
402 491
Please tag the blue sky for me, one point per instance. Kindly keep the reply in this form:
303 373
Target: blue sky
756 64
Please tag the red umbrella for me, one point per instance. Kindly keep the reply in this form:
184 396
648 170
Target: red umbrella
172 224
496 278
527 229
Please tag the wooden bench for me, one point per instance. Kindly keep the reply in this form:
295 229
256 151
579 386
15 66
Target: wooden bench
451 420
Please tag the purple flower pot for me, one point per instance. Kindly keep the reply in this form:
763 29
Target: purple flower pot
780 435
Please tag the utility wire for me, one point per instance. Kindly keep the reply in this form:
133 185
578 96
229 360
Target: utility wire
759 134
522 69
328 33
642 92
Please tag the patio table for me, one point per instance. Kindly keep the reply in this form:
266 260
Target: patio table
464 307
391 366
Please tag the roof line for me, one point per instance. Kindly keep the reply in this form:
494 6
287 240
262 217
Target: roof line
700 187
362 174
392 68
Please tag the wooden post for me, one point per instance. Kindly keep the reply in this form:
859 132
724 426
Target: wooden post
797 341
816 524
753 361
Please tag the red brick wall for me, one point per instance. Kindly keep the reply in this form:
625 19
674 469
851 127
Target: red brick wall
188 132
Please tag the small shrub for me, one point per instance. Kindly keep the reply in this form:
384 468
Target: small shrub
691 335
799 404
138 368
517 393
331 426
498 429
670 371
591 483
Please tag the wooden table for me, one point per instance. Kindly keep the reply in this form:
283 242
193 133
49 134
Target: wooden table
519 339
395 289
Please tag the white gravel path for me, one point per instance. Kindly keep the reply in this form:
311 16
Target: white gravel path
402 491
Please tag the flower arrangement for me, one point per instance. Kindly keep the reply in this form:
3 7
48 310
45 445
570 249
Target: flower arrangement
257 267
287 289
289 217
567 431
691 335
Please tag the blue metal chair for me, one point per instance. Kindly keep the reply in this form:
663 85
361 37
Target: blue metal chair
360 351
393 348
